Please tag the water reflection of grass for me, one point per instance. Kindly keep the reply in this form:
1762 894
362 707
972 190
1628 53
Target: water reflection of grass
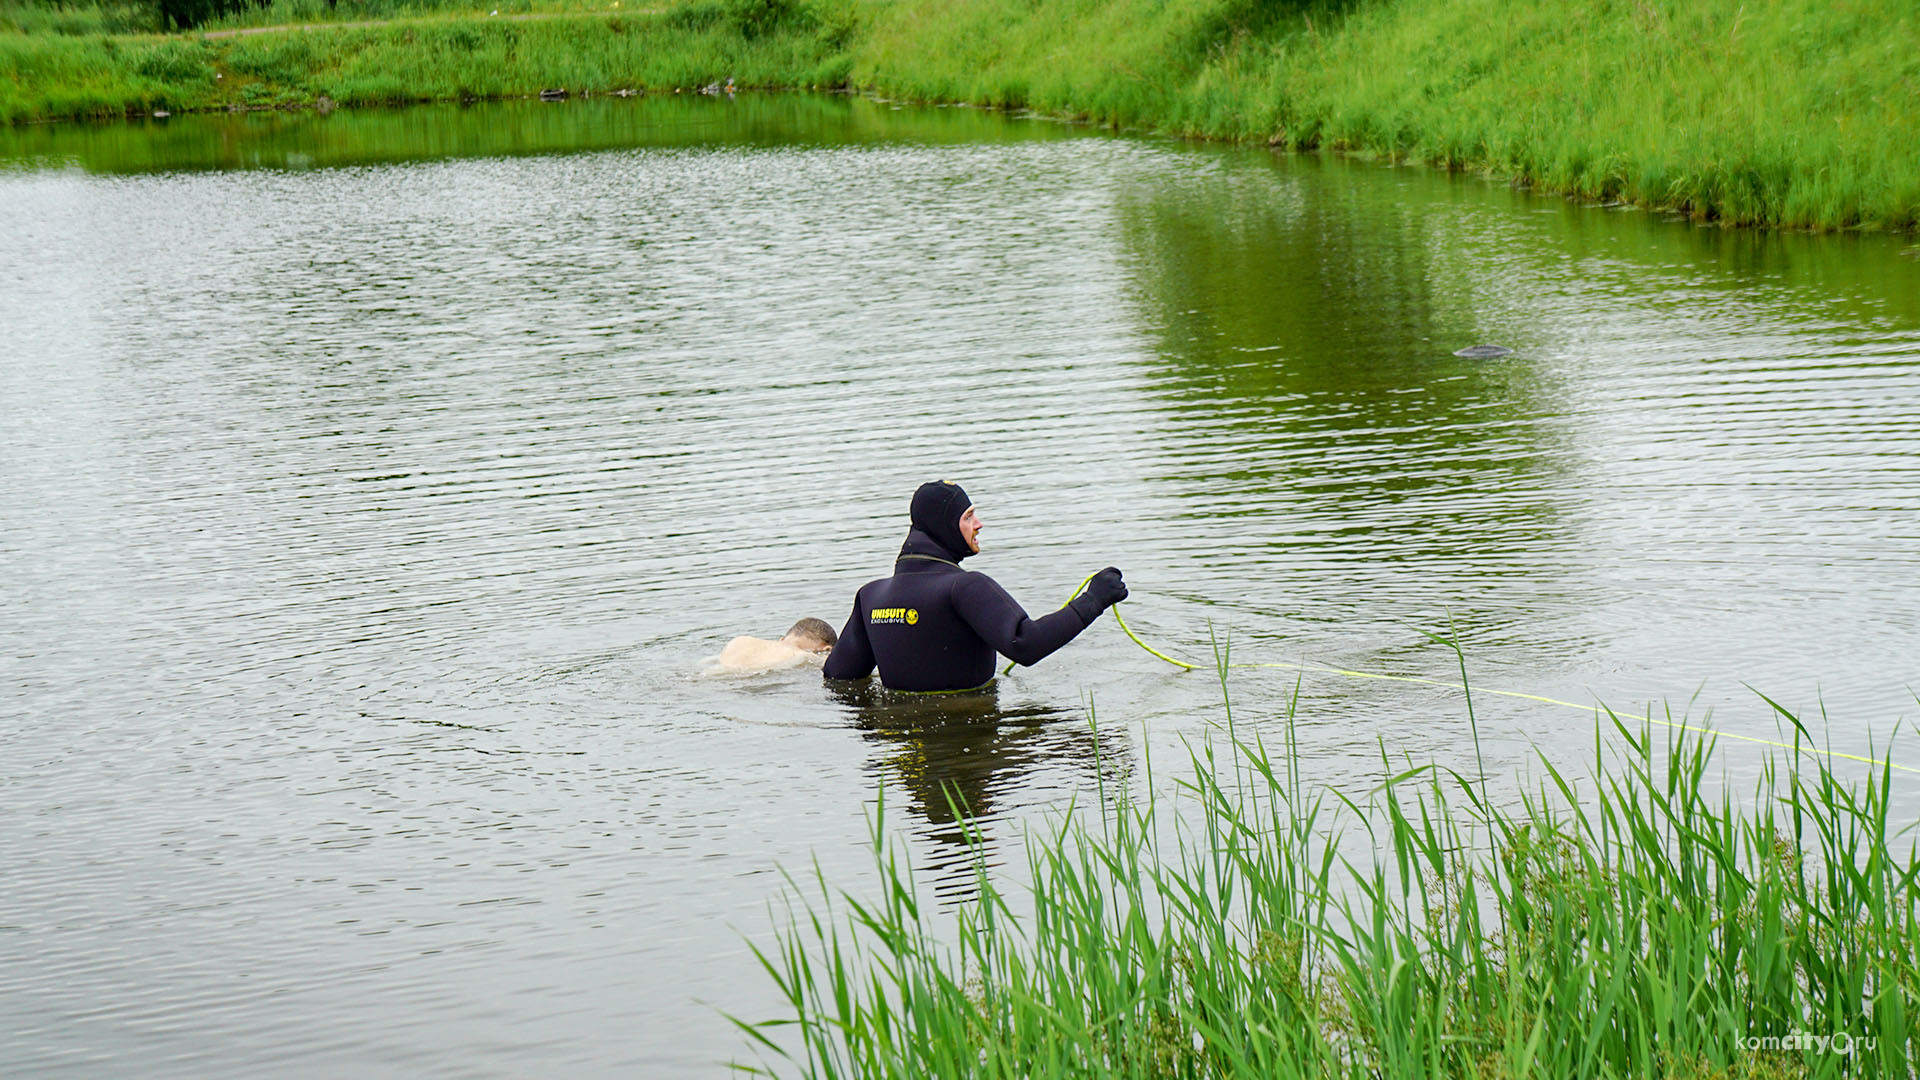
1305 326
1637 923
297 140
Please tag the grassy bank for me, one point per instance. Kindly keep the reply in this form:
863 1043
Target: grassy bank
1633 923
1793 113
452 59
1797 112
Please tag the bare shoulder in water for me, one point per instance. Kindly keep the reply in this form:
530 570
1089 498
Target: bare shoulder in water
806 645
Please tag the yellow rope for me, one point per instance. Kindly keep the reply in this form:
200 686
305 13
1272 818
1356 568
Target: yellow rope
1136 640
1462 687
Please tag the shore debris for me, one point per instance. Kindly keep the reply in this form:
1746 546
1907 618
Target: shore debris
1484 352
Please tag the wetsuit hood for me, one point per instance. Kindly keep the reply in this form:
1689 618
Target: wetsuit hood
937 509
919 543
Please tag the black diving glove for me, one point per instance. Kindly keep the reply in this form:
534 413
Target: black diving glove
1103 590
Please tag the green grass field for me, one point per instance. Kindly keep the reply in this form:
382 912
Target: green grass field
444 59
1796 113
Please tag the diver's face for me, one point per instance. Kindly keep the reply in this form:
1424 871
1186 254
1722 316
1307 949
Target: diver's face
970 525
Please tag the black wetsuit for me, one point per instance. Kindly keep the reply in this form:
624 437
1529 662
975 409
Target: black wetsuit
933 626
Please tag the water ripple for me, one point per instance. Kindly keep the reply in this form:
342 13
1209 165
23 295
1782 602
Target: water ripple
368 525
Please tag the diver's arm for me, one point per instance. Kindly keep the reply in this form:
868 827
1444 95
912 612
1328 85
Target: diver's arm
1003 624
852 655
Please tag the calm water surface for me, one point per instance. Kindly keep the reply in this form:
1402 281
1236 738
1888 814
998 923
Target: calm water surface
375 485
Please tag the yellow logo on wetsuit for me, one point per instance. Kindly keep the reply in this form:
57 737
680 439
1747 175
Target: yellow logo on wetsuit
905 615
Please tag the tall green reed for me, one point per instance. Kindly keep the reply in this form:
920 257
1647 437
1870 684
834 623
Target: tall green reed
1639 921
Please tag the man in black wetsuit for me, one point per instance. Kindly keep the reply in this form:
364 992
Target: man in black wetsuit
933 626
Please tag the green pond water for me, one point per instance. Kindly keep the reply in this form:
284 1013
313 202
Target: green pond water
378 482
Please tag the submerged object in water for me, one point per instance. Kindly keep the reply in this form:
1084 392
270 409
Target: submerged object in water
1484 352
